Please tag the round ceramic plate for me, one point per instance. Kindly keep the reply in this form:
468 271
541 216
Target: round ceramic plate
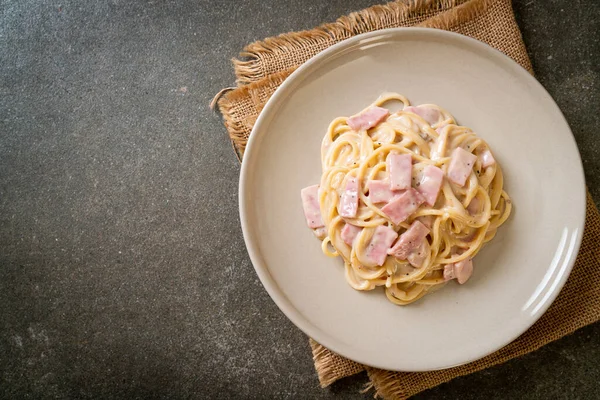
517 275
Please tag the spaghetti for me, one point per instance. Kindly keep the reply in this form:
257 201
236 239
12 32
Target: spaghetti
406 199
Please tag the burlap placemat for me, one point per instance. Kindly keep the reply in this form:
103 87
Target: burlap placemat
264 65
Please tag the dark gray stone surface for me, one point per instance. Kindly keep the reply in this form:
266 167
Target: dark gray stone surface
123 272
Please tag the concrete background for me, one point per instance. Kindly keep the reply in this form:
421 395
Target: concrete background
123 272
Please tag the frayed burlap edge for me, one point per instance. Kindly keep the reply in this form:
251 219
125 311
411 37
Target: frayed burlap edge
467 12
330 366
574 300
247 67
578 290
282 46
228 104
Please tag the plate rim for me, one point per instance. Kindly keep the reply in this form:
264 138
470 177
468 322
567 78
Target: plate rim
280 299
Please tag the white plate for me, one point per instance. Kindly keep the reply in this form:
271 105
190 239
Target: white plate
517 275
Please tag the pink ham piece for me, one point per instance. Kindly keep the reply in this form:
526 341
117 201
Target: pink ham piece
487 159
440 127
402 206
474 205
379 191
367 119
349 201
449 272
320 232
399 167
461 166
310 203
418 257
429 114
410 241
430 184
382 239
461 270
426 220
349 233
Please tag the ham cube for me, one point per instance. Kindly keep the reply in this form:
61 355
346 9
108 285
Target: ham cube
368 118
430 114
417 258
382 239
402 206
349 201
320 232
310 204
430 184
427 220
399 167
487 159
349 233
474 206
379 191
461 271
449 272
410 241
461 166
